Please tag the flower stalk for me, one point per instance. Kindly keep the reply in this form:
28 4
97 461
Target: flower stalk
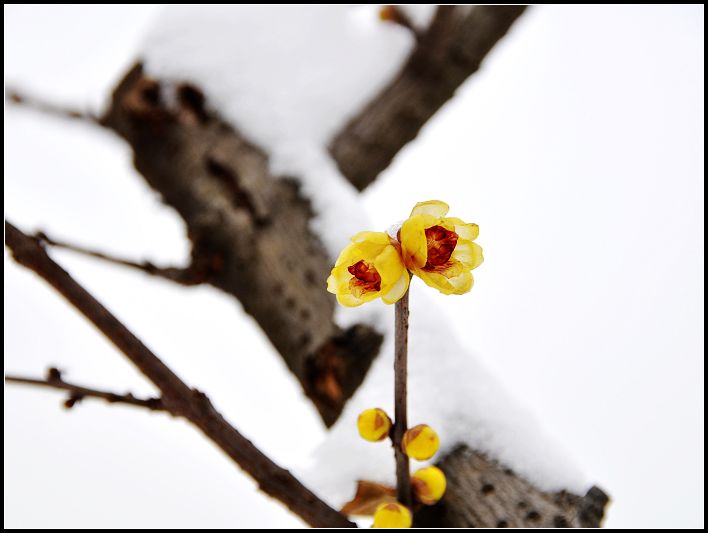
440 251
400 368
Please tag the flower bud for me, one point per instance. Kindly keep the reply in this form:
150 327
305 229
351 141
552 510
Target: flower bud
429 485
374 425
391 515
420 442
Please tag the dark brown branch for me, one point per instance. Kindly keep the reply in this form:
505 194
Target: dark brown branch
78 393
38 104
482 493
177 396
250 232
452 48
400 367
184 276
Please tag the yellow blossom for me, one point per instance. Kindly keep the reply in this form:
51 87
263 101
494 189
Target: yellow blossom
369 268
390 515
373 424
429 485
439 249
420 442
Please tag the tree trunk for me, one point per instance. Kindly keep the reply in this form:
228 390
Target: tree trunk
249 233
482 493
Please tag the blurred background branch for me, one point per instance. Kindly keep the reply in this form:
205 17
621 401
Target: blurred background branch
182 276
39 104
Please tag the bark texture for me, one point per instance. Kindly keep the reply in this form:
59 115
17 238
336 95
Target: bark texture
482 493
249 232
447 53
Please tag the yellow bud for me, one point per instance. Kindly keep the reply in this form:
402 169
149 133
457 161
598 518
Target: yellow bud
390 515
429 485
374 425
420 442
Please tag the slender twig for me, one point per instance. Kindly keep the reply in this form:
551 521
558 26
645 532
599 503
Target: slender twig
393 13
78 392
177 396
400 368
38 104
184 276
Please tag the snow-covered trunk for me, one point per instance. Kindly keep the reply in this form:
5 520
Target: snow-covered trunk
250 232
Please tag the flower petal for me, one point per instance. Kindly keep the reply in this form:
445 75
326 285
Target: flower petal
389 266
369 244
462 228
468 253
348 256
435 208
376 237
413 242
457 285
349 300
462 283
398 290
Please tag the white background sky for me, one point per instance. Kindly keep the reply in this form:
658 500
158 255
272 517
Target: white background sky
578 150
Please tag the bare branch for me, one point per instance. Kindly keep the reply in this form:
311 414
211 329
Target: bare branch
78 392
184 276
177 396
446 54
17 97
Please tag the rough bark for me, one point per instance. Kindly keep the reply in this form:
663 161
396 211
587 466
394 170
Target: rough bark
446 54
482 493
249 232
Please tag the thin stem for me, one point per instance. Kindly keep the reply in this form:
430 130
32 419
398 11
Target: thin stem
184 276
400 368
78 392
45 106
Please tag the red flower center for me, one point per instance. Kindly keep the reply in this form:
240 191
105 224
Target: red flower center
441 244
366 278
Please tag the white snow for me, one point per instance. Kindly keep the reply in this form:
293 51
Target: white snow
419 14
448 390
289 93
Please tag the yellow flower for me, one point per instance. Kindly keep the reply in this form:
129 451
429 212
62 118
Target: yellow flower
369 268
373 424
420 442
429 485
439 249
390 515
